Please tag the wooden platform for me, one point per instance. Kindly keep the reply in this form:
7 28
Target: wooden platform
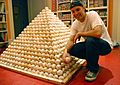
47 79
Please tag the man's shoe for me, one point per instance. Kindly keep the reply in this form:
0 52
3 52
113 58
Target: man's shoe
91 76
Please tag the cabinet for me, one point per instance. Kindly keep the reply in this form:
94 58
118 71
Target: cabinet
103 7
3 25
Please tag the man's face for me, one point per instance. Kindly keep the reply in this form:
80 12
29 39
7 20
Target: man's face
78 13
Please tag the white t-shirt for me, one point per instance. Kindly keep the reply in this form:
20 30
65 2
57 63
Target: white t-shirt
92 19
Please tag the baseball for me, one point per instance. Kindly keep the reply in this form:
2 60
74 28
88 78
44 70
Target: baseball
68 59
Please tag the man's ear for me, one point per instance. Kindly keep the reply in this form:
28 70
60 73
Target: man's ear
85 9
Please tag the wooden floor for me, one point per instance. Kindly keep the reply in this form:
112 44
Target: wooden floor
109 74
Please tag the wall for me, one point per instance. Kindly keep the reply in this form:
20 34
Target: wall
49 3
116 21
34 7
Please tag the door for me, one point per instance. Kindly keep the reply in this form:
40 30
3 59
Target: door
20 15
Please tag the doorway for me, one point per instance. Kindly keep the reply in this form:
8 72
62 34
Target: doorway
20 15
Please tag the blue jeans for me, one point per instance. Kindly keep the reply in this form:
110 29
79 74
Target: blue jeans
90 50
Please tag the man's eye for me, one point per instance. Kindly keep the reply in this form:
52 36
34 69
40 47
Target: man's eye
77 9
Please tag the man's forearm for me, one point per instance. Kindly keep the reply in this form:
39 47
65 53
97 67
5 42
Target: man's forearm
96 32
69 46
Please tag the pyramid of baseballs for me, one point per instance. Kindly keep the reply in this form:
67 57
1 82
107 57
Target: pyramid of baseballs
37 50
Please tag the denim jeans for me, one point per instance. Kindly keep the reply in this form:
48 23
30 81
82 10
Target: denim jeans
90 50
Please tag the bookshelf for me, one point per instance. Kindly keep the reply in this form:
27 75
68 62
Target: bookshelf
103 7
3 25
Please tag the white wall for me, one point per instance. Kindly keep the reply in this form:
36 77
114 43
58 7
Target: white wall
34 7
49 4
116 21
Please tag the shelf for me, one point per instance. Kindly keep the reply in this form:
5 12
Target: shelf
64 2
2 13
64 11
3 31
63 5
4 42
2 22
94 8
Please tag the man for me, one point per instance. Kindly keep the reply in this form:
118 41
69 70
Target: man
97 42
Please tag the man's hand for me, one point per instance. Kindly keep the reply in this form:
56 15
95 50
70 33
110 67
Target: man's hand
66 58
77 36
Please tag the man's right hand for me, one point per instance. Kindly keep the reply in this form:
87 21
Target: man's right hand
66 57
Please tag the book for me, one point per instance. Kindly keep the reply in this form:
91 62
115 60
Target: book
2 7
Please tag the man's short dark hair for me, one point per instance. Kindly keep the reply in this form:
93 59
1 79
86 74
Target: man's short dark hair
75 3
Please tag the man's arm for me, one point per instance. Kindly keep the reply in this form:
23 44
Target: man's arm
70 43
66 56
95 32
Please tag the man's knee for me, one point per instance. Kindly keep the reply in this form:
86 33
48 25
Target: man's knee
90 40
